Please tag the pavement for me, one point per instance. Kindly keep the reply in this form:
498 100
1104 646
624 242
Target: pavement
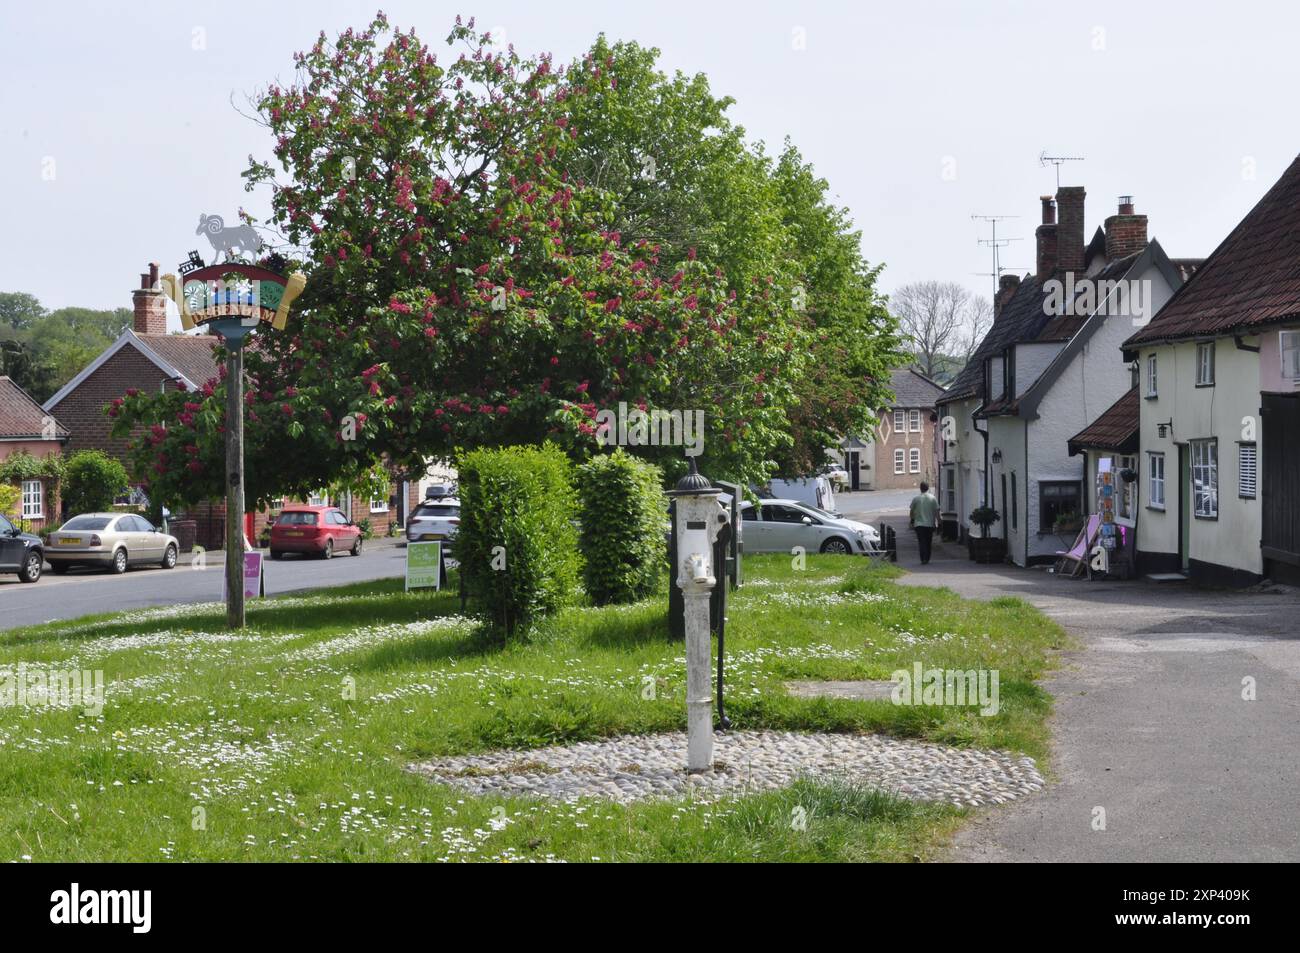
1150 722
85 591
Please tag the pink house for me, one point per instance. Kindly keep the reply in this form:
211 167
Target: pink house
26 427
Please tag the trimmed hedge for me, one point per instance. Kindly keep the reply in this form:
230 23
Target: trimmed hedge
517 544
92 480
623 513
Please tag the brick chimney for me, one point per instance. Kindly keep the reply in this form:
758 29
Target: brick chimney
1126 233
1069 233
1007 286
1047 239
150 305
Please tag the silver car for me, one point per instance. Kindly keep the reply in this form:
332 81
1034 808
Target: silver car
778 526
110 541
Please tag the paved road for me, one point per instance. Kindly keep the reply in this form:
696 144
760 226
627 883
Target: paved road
82 592
870 505
1150 722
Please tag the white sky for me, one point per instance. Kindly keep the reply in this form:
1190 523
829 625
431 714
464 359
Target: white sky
1174 103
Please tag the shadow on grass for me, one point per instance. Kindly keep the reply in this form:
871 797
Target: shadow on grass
621 629
438 648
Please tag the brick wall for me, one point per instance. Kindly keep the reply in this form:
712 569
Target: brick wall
82 411
924 440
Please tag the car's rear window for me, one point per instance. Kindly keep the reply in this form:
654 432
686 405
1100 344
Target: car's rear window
296 519
87 522
442 511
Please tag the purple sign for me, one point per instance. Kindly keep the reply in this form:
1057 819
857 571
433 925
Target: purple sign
253 583
252 574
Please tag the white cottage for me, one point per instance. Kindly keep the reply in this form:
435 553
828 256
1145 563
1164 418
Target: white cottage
1048 369
1220 408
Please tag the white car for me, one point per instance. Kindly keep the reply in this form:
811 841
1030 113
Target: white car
838 476
434 519
778 526
814 491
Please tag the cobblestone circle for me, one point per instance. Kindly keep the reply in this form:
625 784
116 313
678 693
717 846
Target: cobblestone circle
634 767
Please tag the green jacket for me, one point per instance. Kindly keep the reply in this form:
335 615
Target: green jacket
925 510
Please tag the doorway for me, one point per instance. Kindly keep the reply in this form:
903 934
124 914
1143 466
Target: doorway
1184 506
1004 508
855 478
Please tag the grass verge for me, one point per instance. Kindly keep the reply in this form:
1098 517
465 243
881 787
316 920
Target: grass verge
288 741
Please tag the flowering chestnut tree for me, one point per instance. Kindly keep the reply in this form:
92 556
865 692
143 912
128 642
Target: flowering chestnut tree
468 285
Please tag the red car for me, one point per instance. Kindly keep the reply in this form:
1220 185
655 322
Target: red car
315 530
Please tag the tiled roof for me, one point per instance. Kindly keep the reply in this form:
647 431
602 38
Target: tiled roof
1249 281
1115 429
912 388
190 354
1062 327
20 416
1021 319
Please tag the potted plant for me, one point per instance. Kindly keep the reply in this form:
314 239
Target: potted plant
1067 523
985 548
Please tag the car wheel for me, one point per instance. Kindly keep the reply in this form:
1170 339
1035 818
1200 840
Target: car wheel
59 569
356 547
31 570
169 558
837 546
276 554
119 562
329 550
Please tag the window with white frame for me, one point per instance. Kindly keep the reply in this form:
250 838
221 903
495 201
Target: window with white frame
380 503
914 421
33 500
1289 346
1151 376
900 421
1247 470
1156 480
900 461
950 488
319 498
915 459
1205 478
1205 364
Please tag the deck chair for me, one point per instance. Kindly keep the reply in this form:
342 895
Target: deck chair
1075 559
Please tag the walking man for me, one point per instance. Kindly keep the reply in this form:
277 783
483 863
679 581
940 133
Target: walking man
924 517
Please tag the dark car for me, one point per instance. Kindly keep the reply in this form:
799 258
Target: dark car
21 553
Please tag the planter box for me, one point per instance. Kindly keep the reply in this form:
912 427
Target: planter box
987 549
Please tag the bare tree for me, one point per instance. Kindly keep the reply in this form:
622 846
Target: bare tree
976 321
931 316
